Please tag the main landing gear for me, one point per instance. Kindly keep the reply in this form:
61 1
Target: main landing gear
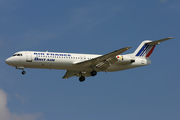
82 78
23 72
93 73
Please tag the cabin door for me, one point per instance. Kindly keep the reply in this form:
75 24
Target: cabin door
28 57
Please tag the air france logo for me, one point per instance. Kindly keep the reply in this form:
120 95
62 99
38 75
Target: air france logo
52 54
49 54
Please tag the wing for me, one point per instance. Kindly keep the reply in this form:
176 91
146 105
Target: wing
71 73
103 62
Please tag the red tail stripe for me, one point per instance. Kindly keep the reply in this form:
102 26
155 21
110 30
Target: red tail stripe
150 52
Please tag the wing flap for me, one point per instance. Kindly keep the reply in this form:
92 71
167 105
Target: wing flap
105 64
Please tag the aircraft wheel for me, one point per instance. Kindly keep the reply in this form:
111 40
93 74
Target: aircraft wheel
82 78
23 72
93 73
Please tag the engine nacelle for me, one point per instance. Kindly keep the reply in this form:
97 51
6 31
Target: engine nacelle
125 59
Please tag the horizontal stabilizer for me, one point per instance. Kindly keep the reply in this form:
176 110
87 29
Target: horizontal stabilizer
157 42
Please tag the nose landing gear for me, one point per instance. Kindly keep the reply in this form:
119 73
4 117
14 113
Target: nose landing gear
21 68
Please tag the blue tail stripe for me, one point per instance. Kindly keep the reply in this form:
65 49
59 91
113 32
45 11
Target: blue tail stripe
140 50
145 50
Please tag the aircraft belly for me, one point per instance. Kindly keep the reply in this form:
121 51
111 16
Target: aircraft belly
118 67
114 68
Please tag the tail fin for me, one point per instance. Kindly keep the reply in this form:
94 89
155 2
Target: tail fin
146 48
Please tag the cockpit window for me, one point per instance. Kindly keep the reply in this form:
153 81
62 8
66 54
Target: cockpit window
17 55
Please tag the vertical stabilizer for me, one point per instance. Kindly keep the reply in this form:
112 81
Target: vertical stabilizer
146 48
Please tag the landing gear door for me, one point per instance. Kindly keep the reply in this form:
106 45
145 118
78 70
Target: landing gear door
28 57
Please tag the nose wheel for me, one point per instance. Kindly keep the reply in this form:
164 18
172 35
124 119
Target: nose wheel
23 72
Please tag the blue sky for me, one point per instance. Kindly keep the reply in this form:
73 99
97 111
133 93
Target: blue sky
98 27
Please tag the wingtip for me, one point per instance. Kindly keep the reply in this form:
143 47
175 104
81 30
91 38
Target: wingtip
170 37
128 48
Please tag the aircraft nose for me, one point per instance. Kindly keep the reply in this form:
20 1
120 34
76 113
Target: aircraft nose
8 61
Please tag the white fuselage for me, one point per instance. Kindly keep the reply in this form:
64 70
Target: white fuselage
67 61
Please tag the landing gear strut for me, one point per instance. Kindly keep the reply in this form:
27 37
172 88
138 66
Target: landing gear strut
23 72
82 78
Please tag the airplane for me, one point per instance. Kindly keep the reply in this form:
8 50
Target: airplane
85 65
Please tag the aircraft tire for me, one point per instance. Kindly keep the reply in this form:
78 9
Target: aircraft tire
93 73
82 78
23 72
